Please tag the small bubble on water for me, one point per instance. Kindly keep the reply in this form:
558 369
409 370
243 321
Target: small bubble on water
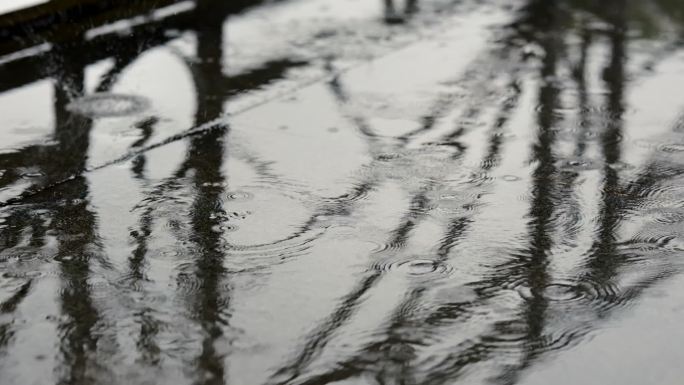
31 175
387 157
532 50
672 147
108 105
239 196
420 267
578 164
223 228
510 178
590 134
448 197
563 292
172 33
505 135
524 292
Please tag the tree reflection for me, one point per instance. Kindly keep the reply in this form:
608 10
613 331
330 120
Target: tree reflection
511 343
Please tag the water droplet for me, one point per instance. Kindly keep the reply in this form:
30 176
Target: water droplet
621 166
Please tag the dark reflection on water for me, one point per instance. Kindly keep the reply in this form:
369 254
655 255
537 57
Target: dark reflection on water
393 16
274 192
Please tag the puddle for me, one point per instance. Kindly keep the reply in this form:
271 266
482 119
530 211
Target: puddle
368 191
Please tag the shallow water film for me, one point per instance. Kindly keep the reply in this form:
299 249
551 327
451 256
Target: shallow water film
371 192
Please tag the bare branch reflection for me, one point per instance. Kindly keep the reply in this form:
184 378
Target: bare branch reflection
549 98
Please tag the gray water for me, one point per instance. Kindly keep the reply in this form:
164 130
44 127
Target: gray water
311 192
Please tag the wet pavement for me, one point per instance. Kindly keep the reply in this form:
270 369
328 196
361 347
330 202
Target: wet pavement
312 192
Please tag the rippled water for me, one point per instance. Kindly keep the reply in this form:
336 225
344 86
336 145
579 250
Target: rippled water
309 192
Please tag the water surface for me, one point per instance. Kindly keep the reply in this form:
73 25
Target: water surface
311 192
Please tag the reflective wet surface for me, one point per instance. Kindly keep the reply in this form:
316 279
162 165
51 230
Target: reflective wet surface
342 192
